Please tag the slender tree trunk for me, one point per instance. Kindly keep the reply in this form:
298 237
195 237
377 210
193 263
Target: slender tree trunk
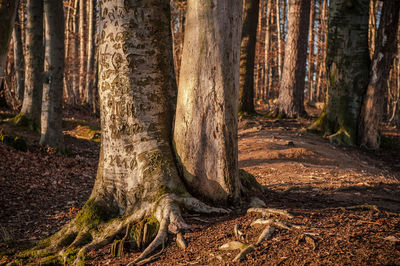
279 38
51 127
268 61
91 50
347 70
82 49
19 59
32 104
8 9
68 90
311 66
291 90
247 56
205 134
75 54
384 52
372 26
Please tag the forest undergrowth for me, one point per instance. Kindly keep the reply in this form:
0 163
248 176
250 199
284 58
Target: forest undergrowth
345 201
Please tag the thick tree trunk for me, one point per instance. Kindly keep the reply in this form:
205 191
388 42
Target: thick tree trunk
51 128
347 70
19 59
384 52
32 104
91 50
247 56
291 90
205 135
8 9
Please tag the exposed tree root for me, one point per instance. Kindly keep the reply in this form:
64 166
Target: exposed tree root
267 212
276 223
265 234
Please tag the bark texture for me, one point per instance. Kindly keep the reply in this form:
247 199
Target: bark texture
19 58
82 48
137 182
384 52
205 132
91 45
51 118
8 9
32 104
247 56
291 90
347 70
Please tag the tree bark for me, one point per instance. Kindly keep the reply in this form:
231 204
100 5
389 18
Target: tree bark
247 56
51 119
32 104
291 90
205 133
82 49
382 60
279 39
75 54
19 59
8 9
91 51
311 59
347 70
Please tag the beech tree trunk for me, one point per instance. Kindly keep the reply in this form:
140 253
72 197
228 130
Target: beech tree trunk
311 65
75 54
32 104
347 70
138 189
8 9
247 56
382 60
82 49
291 90
19 58
51 119
205 132
91 49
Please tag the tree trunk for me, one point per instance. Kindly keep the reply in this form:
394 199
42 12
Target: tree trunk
268 61
82 49
51 126
137 189
19 59
205 135
91 51
279 38
291 90
32 104
347 70
75 54
311 65
8 9
68 89
384 53
247 56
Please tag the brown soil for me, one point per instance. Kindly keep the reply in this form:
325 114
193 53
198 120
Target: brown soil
319 183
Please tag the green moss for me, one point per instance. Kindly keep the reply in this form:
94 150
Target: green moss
51 260
137 234
23 121
67 240
91 215
70 255
44 243
15 142
248 181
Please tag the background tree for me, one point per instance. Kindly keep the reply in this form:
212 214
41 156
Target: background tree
384 51
91 52
32 104
8 9
247 56
51 118
291 90
205 132
347 69
19 57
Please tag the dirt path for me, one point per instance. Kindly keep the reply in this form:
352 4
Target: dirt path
315 181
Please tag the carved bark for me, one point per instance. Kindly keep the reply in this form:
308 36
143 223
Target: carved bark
205 133
8 9
291 90
247 56
32 104
347 70
384 52
51 118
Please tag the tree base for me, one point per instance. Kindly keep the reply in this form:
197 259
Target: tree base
21 120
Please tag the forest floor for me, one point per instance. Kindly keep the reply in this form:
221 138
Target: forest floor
346 200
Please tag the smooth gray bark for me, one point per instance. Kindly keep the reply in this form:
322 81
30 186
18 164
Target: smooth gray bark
91 45
51 118
19 58
32 104
205 132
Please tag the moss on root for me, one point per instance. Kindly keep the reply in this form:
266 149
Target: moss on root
141 234
249 182
91 215
15 142
24 121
